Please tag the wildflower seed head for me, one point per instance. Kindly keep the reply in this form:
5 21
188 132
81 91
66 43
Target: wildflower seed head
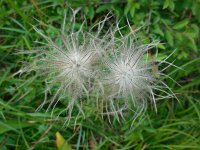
77 66
116 70
71 68
129 72
127 75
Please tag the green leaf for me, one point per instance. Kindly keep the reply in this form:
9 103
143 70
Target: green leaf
14 6
89 12
103 8
193 31
128 7
13 30
132 12
170 4
169 37
161 46
131 7
118 12
179 37
158 30
191 43
181 24
12 125
166 4
196 10
61 143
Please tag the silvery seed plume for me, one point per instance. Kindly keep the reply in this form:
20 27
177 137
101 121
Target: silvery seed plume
132 78
68 67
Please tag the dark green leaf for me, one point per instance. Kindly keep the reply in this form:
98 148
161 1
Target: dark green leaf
169 37
181 24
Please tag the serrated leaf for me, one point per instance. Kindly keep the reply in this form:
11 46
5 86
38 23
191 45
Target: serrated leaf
61 143
181 24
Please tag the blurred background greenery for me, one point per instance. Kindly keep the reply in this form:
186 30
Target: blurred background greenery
176 125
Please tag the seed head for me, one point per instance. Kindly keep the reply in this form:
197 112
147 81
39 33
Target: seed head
115 70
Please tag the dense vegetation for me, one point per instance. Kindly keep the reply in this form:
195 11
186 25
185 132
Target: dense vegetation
175 126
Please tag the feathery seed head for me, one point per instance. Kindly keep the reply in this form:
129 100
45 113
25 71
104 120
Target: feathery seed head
77 66
115 65
126 75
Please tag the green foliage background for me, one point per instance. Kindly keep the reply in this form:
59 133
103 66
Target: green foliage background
176 125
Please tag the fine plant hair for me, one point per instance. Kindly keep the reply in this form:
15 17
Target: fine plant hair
114 70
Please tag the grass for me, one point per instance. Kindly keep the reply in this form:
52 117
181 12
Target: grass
176 124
